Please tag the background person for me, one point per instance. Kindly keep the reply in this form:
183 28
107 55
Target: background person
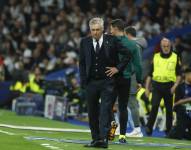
124 78
165 75
182 107
141 43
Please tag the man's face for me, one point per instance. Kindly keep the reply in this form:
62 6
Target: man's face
165 46
113 30
96 31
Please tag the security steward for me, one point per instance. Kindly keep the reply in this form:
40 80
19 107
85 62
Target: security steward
165 75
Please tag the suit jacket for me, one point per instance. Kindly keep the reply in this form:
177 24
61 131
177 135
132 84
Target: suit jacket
111 46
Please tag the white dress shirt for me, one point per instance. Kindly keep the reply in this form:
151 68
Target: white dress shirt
100 42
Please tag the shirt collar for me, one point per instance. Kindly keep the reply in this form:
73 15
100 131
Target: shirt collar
100 39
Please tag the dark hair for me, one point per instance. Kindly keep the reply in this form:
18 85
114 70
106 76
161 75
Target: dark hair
131 30
118 23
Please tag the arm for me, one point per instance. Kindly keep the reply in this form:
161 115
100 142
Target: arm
82 66
123 51
137 64
148 80
178 74
120 49
183 101
147 86
179 94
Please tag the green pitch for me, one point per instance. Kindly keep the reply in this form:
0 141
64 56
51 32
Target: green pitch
15 139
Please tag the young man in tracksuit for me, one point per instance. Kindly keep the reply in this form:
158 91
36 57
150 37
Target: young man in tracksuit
124 78
141 43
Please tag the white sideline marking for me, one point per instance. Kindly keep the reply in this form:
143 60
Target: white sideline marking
50 146
45 144
44 128
8 133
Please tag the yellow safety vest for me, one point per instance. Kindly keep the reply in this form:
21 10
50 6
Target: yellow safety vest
19 86
34 87
164 68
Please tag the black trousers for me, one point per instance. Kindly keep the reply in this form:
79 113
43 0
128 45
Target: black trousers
99 96
159 91
122 92
182 130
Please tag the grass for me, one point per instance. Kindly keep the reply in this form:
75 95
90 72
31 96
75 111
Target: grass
18 142
8 117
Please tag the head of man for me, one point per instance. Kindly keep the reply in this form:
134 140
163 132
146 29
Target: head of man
117 27
96 27
130 32
187 72
165 45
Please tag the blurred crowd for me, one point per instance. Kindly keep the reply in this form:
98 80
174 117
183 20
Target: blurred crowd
47 33
41 36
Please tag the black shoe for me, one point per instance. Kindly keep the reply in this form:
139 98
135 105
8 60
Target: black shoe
148 131
93 143
103 143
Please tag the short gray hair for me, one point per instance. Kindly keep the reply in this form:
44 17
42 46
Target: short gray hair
96 20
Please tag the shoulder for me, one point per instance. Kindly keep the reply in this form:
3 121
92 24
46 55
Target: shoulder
130 43
110 40
157 54
174 55
109 37
85 39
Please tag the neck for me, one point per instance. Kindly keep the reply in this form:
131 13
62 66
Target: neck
119 33
166 55
131 37
98 38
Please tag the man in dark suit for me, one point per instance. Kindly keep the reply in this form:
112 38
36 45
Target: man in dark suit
98 53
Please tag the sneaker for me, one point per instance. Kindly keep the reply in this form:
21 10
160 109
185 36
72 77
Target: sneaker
122 139
135 133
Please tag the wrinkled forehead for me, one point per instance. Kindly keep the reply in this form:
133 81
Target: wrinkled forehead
165 41
96 26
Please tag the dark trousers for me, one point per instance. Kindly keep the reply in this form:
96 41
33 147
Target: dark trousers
99 112
122 91
183 125
161 90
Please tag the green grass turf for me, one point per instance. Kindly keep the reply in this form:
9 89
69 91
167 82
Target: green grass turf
18 142
8 117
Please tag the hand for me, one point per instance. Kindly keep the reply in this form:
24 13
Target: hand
178 102
173 89
111 71
147 93
175 104
139 86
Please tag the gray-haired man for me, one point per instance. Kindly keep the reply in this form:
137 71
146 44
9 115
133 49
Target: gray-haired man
97 53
